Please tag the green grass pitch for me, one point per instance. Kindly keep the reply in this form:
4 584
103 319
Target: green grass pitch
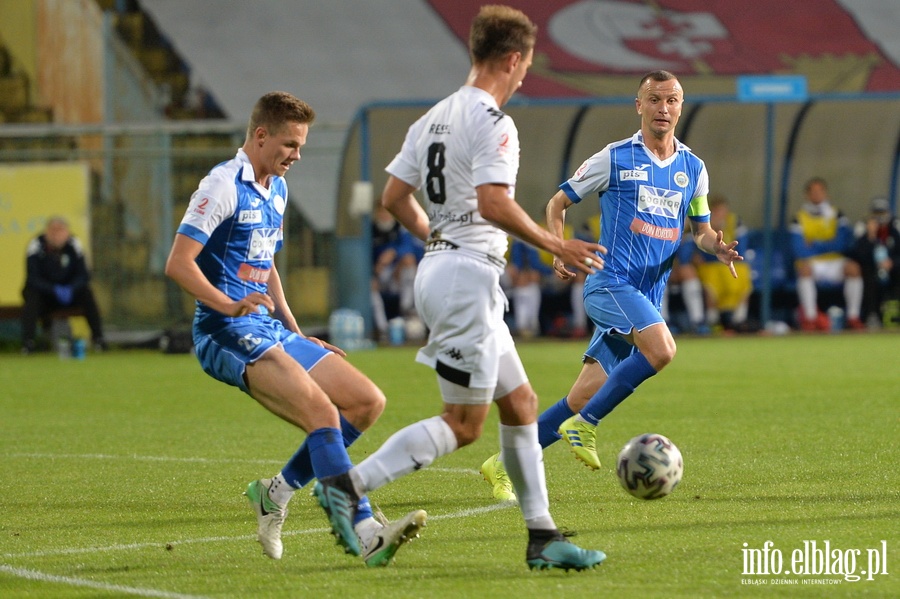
122 476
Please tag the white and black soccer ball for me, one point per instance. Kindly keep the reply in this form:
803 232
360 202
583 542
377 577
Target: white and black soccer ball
649 466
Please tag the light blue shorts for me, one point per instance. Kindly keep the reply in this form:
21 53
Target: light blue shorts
225 353
615 312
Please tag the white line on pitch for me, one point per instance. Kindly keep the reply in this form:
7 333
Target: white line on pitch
81 582
141 458
288 533
43 577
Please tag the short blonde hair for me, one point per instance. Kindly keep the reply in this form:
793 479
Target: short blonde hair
276 109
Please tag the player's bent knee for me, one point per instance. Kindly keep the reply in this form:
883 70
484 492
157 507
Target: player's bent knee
669 354
372 405
518 408
467 435
363 409
662 356
369 398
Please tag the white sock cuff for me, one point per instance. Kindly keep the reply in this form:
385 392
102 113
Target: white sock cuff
280 490
441 435
518 436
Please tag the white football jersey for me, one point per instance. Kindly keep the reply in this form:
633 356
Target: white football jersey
464 141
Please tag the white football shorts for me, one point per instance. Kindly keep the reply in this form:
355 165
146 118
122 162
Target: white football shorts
828 270
459 298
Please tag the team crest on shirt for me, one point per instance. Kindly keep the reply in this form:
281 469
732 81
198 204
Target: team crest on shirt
262 244
681 179
659 202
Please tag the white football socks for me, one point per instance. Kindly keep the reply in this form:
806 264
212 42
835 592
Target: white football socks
853 296
280 491
806 294
367 529
692 294
523 459
407 450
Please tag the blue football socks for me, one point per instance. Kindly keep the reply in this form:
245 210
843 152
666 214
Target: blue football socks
327 453
300 469
622 382
549 421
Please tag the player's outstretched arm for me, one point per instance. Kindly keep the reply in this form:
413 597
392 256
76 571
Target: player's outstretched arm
495 205
556 223
713 242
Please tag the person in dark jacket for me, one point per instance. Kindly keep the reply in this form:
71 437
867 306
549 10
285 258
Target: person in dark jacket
57 277
876 251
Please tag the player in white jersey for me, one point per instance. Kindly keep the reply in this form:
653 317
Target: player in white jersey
246 336
648 186
465 153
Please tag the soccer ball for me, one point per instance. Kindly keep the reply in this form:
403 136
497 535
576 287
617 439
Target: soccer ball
649 466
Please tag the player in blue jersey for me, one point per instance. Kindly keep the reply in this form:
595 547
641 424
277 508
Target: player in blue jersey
246 336
648 185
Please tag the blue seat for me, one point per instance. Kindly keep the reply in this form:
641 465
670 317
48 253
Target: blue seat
781 275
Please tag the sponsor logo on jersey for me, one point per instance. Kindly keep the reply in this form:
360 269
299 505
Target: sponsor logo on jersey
681 179
655 231
659 202
636 174
451 217
262 244
250 216
253 274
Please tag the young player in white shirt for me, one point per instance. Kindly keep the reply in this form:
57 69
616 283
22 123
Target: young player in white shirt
464 154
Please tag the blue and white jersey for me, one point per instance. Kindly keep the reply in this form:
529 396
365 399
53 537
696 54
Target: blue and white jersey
239 223
643 206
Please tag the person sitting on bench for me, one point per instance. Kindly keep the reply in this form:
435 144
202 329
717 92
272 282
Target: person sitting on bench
57 278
